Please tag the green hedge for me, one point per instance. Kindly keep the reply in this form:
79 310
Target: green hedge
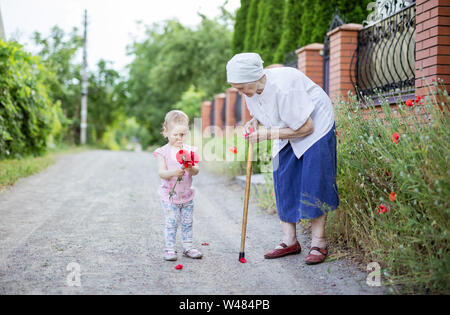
274 28
28 117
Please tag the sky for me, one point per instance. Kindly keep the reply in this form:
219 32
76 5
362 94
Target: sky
112 23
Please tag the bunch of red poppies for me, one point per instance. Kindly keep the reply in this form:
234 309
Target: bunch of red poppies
187 159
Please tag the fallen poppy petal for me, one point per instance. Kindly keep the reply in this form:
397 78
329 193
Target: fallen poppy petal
179 267
243 260
205 244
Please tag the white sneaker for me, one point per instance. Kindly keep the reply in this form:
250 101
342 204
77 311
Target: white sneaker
193 253
170 255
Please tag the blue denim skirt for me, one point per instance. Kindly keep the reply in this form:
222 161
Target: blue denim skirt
306 188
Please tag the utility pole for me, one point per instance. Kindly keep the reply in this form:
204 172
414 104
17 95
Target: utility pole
2 29
84 85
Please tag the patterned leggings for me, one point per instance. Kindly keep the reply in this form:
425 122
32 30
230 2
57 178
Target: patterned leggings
176 214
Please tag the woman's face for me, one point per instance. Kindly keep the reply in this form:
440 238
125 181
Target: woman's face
251 88
177 135
248 89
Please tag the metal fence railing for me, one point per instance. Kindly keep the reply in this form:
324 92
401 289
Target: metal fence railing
386 54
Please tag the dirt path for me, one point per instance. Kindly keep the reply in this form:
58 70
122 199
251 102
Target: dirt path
99 209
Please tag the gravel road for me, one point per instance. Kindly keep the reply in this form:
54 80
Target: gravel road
98 211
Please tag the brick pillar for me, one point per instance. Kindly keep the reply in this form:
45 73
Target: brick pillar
230 119
432 43
245 114
343 44
218 107
310 62
206 117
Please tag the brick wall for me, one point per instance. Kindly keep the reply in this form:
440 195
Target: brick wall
310 62
432 43
343 44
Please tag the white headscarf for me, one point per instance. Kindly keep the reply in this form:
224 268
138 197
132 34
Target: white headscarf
245 68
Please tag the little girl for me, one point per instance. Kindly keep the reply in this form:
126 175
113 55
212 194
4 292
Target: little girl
177 203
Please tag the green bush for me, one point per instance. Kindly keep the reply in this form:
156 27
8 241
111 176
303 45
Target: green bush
410 241
28 117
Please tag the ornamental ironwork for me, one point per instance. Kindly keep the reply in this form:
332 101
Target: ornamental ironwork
385 8
386 54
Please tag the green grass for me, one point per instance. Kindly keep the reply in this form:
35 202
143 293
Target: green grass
12 170
410 241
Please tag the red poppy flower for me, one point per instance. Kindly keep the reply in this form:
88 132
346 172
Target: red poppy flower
395 137
179 267
409 103
243 260
392 196
382 209
187 159
183 157
194 158
250 132
233 149
418 99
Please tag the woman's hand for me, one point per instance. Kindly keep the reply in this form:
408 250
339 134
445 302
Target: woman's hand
259 135
253 124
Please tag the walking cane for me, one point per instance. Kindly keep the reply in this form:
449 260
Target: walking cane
246 199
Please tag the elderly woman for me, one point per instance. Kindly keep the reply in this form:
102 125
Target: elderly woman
298 116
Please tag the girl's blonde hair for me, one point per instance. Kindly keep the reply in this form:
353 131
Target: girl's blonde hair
172 118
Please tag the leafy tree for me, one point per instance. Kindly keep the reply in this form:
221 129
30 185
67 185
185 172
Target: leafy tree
353 11
171 60
58 53
190 102
251 25
256 38
291 29
307 22
271 29
104 100
240 28
28 116
323 14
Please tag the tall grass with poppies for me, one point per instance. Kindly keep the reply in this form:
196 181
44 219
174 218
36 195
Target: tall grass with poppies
393 181
227 154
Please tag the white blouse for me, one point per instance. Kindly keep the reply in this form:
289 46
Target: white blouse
288 99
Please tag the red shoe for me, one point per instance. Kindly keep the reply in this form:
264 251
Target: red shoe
316 259
286 250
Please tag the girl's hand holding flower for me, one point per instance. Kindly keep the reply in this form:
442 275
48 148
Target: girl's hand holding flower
178 173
